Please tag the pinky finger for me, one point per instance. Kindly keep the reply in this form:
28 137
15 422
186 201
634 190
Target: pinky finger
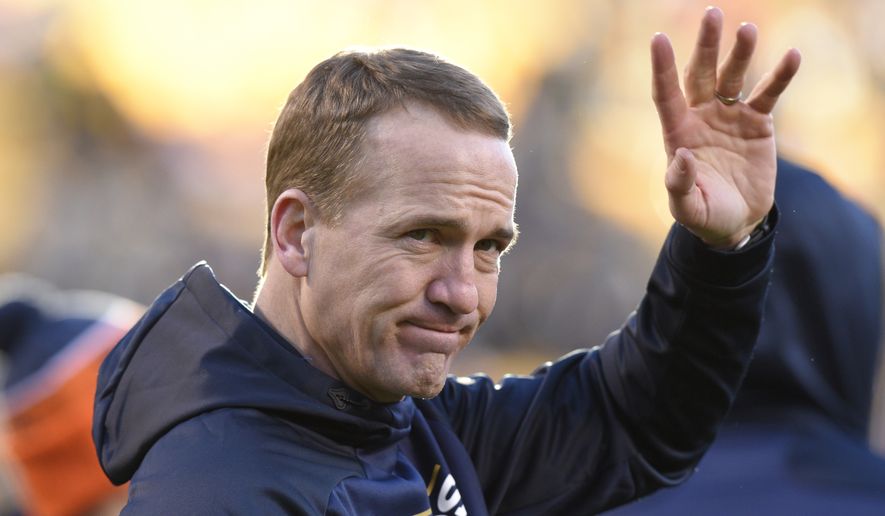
764 96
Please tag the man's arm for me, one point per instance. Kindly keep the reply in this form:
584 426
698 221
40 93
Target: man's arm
599 428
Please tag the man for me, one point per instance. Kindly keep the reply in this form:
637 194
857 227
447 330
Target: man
795 441
391 192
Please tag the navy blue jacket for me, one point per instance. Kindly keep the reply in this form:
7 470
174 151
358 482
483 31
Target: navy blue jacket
795 442
208 411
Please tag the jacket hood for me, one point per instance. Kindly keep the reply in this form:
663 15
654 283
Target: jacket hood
819 341
198 349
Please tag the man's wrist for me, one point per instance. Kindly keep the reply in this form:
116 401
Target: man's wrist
726 267
758 232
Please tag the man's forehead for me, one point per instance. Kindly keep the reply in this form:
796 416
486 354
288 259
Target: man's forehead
416 162
386 130
415 132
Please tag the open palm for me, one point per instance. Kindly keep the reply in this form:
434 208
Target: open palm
721 150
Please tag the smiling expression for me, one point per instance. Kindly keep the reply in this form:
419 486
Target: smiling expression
400 284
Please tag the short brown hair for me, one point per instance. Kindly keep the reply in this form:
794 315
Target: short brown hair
316 142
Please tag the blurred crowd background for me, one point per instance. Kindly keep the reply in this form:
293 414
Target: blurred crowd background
132 135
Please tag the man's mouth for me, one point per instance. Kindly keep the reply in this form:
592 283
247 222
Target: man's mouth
431 336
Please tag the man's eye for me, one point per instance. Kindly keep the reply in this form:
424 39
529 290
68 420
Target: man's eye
422 235
487 245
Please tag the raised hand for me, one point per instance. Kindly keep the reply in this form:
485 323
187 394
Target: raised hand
720 149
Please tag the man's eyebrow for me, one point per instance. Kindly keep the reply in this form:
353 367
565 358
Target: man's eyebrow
438 222
511 235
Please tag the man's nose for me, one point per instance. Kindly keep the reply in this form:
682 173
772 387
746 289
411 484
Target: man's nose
455 284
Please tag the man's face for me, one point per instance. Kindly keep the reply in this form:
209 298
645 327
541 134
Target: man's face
401 283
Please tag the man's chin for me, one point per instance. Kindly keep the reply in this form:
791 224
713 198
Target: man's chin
427 387
426 394
416 386
418 375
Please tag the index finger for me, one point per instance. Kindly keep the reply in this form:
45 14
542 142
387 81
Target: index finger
665 91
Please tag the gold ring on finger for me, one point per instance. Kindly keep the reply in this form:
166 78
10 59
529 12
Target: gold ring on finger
727 100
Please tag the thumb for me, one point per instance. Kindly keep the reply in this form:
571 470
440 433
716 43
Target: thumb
681 175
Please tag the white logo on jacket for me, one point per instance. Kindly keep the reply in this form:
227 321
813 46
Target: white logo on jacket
445 500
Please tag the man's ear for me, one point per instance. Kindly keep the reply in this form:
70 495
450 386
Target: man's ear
291 220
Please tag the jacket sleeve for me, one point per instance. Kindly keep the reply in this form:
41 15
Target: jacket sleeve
600 427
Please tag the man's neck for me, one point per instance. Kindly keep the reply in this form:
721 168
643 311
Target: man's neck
277 305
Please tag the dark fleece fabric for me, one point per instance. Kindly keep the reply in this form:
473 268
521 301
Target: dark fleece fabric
209 411
795 442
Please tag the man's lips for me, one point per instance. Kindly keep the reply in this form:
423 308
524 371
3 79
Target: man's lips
432 337
442 328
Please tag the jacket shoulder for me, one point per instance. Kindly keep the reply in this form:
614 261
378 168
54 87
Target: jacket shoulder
239 460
